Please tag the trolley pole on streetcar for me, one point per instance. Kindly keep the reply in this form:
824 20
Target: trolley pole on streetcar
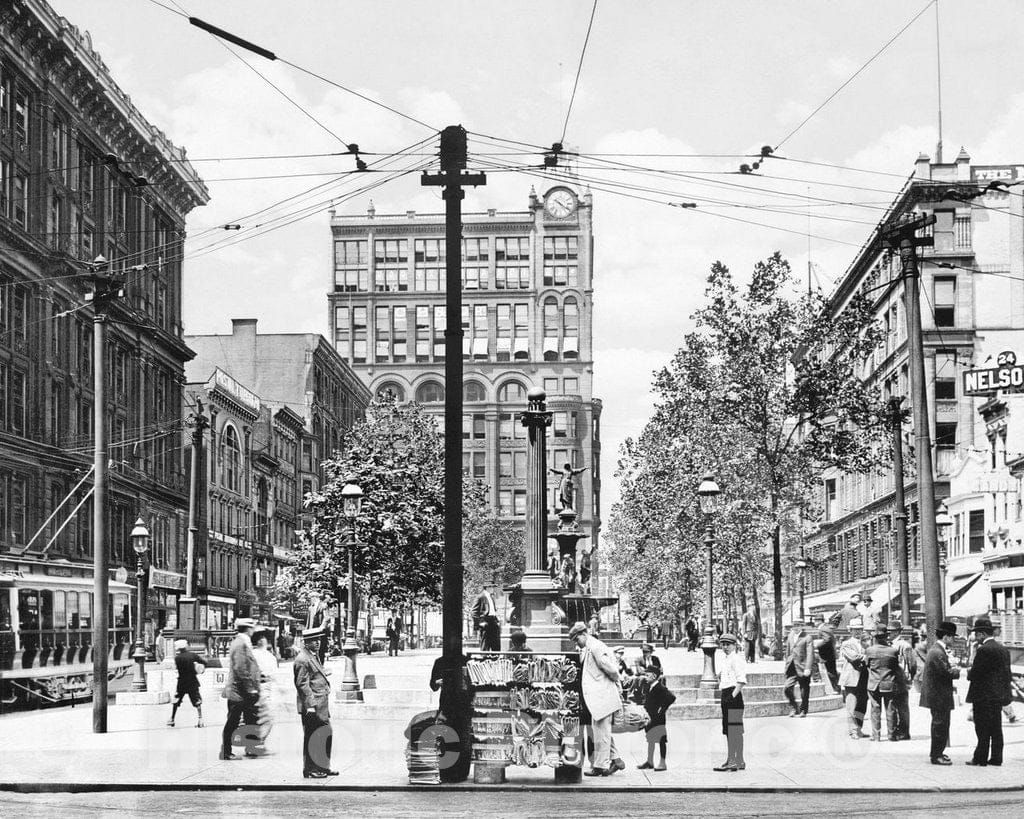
105 291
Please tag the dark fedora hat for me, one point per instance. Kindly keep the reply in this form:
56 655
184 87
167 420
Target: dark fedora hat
983 624
945 628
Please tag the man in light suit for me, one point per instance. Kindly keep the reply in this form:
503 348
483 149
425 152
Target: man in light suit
854 679
937 677
312 698
800 665
600 683
485 616
242 690
989 691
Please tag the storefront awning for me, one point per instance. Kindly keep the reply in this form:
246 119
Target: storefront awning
976 600
827 600
1009 576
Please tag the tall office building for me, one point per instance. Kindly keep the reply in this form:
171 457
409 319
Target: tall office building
527 279
84 173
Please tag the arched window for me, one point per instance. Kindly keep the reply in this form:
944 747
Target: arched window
232 459
571 325
474 391
391 388
512 392
551 329
429 392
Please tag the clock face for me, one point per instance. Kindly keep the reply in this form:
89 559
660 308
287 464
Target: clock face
560 203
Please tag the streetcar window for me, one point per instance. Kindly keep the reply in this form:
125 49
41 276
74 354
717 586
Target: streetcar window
121 608
72 610
5 611
46 609
85 610
28 609
59 618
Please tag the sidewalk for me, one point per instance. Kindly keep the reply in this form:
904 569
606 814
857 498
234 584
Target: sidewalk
55 749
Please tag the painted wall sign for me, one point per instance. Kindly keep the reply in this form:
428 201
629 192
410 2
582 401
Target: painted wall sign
1008 375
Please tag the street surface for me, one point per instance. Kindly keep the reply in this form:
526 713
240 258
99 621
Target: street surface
573 803
161 767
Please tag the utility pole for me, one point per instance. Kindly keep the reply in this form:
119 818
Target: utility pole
902 558
105 291
453 161
903 236
452 178
199 425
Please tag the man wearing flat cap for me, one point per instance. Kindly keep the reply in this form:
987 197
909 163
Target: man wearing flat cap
242 690
600 683
189 666
937 675
312 701
989 691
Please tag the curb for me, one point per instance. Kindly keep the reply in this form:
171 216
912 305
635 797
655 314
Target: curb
103 787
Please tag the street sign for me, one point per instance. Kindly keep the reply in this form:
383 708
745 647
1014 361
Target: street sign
1008 375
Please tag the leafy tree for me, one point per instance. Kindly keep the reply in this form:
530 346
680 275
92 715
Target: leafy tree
765 392
396 457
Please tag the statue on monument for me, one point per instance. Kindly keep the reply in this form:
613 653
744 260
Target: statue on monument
567 485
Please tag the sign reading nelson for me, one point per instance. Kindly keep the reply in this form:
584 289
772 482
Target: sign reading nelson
1007 375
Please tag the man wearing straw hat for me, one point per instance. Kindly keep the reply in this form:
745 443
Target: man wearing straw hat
312 701
242 690
600 682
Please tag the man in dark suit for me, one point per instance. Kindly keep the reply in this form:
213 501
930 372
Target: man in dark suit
800 665
937 675
312 698
751 630
242 690
989 691
885 679
485 615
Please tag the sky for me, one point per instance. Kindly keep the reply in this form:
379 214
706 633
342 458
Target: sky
659 79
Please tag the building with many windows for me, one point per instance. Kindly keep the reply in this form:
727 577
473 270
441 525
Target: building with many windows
278 405
83 173
972 311
527 279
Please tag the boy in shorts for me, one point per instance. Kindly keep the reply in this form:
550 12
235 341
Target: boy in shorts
189 668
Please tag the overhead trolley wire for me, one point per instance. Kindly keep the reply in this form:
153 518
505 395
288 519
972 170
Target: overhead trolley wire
579 68
854 75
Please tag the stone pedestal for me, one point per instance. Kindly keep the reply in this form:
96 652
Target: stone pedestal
545 625
143 697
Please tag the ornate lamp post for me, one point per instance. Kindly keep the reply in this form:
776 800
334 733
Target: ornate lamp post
351 503
707 494
801 567
140 543
943 522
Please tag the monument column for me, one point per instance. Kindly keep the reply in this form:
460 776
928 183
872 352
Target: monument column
536 420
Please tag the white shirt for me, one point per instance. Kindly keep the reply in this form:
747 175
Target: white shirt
733 670
490 604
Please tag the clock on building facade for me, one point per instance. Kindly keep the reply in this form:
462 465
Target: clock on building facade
560 203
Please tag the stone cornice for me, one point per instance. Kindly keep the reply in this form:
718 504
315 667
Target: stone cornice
65 56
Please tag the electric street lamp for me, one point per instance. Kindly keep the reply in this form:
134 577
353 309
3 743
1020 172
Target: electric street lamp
801 566
707 494
140 543
942 523
351 503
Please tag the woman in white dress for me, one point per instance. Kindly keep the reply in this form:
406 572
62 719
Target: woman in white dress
267 662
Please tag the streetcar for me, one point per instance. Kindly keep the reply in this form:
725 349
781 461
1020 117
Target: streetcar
46 639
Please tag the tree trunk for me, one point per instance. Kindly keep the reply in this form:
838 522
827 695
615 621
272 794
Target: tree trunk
777 583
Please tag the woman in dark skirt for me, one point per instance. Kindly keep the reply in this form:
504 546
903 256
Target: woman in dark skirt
732 676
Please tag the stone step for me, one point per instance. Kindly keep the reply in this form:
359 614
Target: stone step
422 698
751 693
759 678
392 682
371 711
767 708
